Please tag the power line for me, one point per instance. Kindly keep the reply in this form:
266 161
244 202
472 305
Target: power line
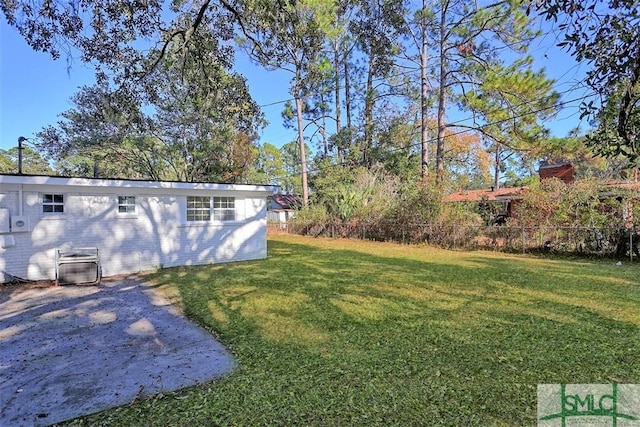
557 105
460 132
275 103
575 85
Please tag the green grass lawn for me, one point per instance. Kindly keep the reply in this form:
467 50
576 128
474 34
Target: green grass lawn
340 332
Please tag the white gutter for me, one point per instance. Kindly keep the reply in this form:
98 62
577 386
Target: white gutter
122 183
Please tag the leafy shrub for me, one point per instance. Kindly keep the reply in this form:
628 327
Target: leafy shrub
581 204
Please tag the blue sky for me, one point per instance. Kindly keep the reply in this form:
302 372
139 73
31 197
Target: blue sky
34 89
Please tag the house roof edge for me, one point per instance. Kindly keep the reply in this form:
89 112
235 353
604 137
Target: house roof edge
129 183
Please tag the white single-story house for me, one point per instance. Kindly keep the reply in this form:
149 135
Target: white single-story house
132 226
282 207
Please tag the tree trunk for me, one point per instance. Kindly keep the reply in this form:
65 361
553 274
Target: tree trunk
323 128
303 155
347 87
336 78
337 107
496 174
368 114
441 101
424 137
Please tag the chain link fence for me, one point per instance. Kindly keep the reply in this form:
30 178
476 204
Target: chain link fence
608 242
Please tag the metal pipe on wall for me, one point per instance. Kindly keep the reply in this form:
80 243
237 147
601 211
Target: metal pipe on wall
20 141
20 200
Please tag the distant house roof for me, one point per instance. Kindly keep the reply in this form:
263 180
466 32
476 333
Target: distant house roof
562 171
515 193
611 186
501 194
286 201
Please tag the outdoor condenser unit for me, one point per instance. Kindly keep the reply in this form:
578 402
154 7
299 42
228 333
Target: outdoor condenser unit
77 266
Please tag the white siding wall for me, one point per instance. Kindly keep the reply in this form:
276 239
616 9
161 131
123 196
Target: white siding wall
157 235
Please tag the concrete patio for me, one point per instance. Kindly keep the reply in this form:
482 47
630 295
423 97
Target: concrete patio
68 351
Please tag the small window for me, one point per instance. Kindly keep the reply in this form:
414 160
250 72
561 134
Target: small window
127 204
198 208
224 209
52 203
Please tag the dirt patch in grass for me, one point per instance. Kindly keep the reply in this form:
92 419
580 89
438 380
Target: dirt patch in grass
14 286
36 284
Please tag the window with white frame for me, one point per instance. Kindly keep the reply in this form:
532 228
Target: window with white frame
224 208
126 204
52 203
198 208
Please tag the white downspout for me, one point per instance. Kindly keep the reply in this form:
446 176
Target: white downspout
20 200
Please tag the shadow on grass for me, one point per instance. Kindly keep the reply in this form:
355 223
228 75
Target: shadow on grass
359 333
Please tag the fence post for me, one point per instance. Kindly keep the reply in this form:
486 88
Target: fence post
631 245
540 237
523 252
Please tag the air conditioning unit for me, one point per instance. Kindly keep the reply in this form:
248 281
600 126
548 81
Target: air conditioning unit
77 266
19 223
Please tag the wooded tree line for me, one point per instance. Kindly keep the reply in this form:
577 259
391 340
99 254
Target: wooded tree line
374 85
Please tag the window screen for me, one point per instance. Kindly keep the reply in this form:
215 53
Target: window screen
198 208
52 203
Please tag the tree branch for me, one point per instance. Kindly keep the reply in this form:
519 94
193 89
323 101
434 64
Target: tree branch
628 101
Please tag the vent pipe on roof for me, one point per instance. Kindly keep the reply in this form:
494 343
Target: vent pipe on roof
20 141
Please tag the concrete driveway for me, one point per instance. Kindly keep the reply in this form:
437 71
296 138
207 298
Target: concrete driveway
67 351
